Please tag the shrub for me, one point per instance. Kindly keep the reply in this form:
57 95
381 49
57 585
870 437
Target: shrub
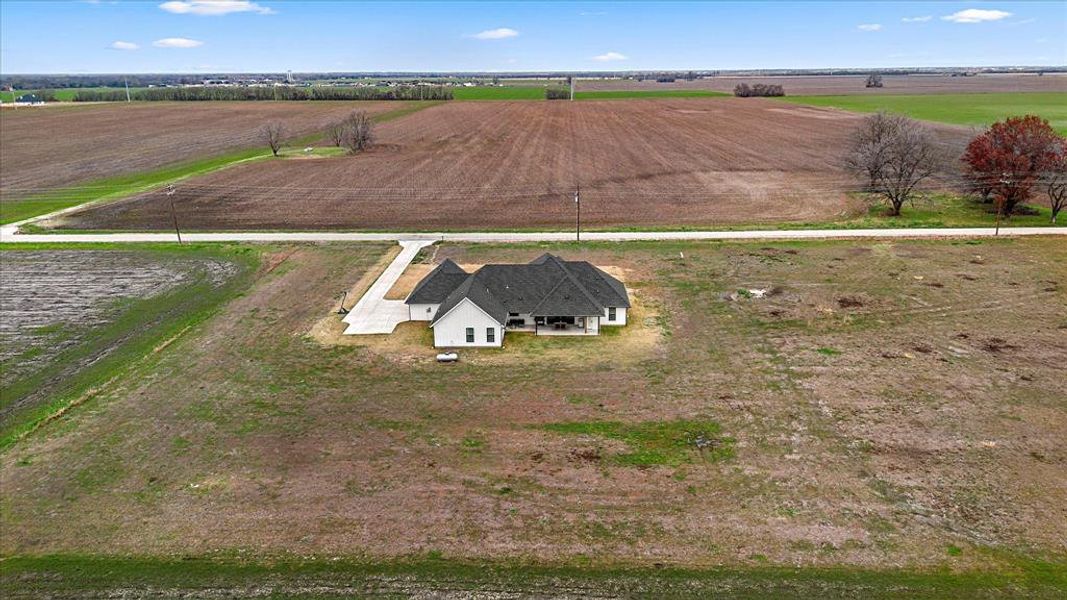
743 90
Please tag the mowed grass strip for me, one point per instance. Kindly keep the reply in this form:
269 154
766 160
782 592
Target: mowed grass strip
74 575
976 110
115 188
668 443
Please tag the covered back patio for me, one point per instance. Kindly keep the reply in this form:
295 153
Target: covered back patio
558 325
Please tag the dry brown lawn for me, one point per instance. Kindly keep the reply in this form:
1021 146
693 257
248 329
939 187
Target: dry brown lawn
887 404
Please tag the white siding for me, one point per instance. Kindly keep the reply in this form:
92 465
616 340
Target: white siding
422 312
620 317
451 330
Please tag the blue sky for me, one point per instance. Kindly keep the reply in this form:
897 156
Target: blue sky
263 35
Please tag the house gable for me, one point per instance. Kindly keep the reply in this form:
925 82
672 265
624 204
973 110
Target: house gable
435 287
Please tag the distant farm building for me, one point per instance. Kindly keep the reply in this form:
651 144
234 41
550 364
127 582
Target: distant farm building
29 99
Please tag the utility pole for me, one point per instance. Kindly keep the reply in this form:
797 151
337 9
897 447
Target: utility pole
571 78
173 215
126 80
578 212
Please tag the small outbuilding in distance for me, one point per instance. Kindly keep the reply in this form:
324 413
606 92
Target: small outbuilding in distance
548 296
29 99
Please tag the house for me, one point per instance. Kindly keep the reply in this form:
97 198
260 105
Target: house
548 296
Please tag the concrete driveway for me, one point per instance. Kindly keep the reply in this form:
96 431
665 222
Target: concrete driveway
373 314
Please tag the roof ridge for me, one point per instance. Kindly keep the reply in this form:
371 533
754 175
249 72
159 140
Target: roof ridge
580 286
567 277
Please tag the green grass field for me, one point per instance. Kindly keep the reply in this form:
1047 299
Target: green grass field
513 92
977 110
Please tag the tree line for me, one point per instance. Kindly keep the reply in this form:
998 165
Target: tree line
186 94
743 90
1006 165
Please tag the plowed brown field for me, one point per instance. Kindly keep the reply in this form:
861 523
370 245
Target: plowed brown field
854 84
61 145
515 164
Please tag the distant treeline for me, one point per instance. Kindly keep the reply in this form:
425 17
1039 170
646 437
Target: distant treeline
743 90
183 94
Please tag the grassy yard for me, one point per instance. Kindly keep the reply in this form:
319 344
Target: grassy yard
976 110
114 188
880 403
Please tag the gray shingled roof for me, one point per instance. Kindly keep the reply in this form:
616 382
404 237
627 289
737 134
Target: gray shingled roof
435 287
547 286
476 292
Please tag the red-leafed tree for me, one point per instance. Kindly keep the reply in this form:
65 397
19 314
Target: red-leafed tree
1010 158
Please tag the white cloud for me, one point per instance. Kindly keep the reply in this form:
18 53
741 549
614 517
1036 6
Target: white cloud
922 19
177 43
869 27
213 8
976 15
609 56
121 45
500 33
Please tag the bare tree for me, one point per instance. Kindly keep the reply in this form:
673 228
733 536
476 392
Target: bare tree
1054 180
895 154
358 132
273 133
868 146
874 80
336 134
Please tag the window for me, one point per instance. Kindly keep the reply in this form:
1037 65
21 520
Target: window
470 335
490 335
611 313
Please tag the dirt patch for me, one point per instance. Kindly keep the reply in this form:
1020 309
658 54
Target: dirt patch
802 85
407 282
997 345
818 113
478 165
64 311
